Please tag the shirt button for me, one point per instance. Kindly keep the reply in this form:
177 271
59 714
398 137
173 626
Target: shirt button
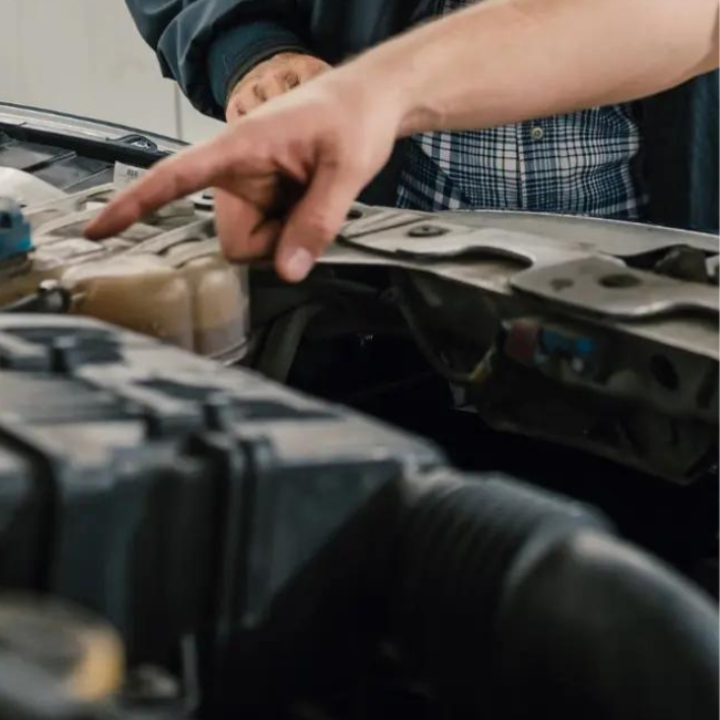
537 133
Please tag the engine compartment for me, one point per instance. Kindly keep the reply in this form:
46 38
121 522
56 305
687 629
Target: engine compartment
181 453
469 328
553 338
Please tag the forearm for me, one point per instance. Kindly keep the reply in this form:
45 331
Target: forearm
505 61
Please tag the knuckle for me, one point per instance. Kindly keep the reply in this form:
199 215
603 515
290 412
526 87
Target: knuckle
338 163
319 227
251 104
290 78
232 250
239 102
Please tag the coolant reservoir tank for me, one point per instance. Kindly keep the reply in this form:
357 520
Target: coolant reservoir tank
138 293
165 276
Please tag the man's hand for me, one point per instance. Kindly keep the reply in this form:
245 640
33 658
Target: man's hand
271 78
285 176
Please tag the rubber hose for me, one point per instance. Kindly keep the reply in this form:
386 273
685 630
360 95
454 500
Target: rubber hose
517 604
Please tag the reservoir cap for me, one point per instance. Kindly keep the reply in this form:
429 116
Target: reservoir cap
15 234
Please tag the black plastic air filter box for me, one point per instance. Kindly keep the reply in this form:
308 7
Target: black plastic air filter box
180 499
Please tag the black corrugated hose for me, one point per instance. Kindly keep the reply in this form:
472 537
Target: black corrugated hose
516 604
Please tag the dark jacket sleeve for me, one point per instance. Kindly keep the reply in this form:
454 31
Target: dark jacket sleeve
207 45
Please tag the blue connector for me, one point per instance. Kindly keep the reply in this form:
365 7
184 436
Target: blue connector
15 235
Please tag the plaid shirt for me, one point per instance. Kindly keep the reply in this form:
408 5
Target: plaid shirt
584 163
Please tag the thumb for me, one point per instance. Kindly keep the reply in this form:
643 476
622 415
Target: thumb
316 220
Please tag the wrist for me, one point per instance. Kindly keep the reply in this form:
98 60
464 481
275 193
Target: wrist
376 96
395 74
237 51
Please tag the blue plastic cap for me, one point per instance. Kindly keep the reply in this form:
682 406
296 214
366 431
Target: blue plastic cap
15 234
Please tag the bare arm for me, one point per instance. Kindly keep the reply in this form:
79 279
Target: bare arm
506 61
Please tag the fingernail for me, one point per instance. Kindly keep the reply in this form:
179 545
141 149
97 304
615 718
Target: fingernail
89 231
298 264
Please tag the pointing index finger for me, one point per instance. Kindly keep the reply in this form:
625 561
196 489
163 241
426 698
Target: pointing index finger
190 171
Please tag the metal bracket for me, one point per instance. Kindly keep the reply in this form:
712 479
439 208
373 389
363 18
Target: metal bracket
425 238
600 286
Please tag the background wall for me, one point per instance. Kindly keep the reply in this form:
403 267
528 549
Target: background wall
85 57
